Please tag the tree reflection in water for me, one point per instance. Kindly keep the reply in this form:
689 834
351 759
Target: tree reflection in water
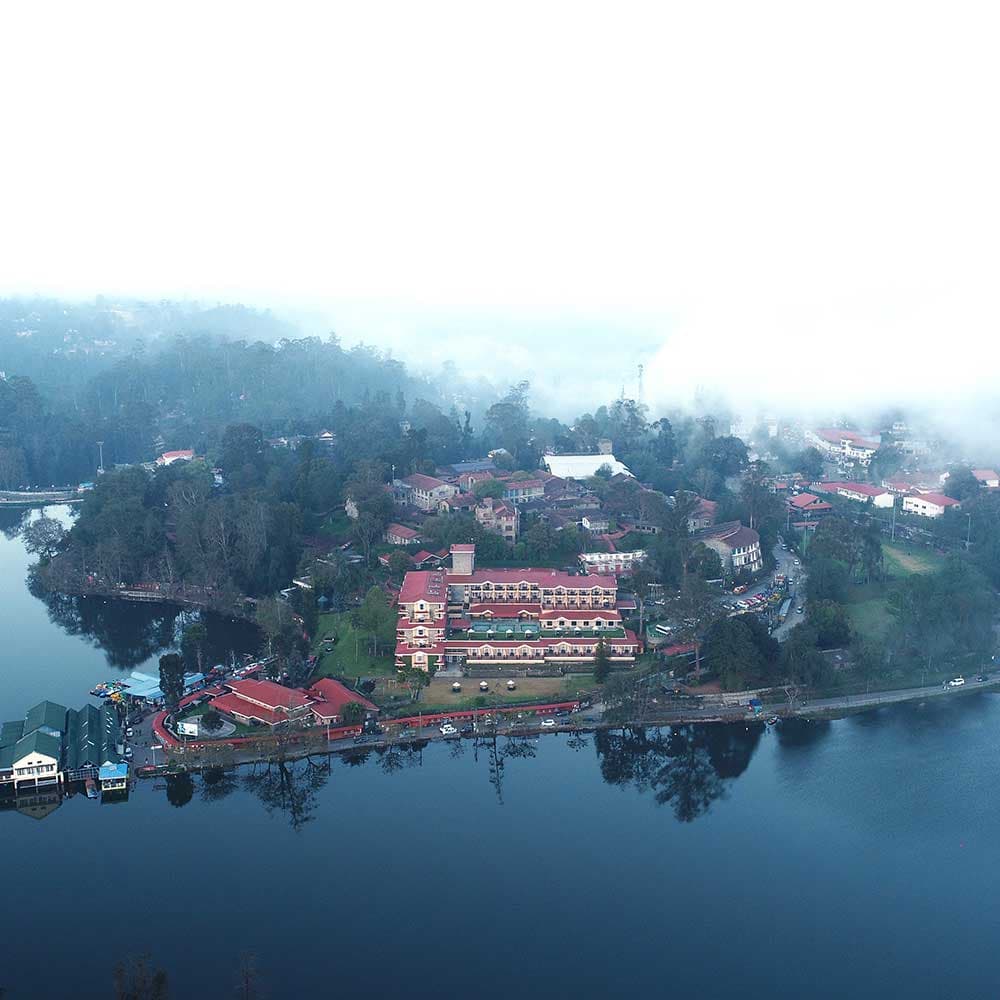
131 634
685 767
289 786
12 521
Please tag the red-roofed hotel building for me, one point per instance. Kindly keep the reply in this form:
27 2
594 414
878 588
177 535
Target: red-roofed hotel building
516 617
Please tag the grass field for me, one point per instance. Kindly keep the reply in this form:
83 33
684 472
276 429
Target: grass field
350 656
438 696
900 561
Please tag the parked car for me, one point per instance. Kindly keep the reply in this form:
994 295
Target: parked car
128 733
447 729
983 677
800 610
956 682
548 723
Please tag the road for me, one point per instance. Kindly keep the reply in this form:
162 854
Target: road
796 576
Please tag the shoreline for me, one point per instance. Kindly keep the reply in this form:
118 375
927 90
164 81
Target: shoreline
805 713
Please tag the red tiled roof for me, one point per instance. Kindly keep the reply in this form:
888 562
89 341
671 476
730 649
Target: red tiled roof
401 531
423 555
427 585
233 704
984 474
463 548
332 696
804 500
542 577
421 482
865 489
936 498
268 693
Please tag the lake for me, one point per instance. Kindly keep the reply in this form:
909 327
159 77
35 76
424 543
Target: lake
858 858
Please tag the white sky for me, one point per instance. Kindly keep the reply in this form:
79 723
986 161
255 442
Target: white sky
714 178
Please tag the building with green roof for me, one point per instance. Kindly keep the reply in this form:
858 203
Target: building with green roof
53 745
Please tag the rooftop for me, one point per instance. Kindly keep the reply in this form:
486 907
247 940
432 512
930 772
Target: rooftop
268 693
418 481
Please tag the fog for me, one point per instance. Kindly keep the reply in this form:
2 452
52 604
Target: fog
793 207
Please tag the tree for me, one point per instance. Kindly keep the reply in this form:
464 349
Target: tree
375 619
194 640
171 679
961 484
602 663
829 621
741 653
828 580
399 562
43 536
809 462
494 488
211 721
352 713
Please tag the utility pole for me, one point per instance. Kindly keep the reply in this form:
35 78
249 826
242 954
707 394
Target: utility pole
100 467
892 536
968 534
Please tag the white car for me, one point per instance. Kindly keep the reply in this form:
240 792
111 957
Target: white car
447 729
548 723
956 682
128 733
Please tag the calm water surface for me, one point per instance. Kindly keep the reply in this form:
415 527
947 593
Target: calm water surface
852 859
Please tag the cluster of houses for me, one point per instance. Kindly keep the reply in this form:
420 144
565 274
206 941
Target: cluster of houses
53 746
807 502
559 495
464 617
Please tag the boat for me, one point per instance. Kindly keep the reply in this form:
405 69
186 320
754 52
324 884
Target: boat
91 787
773 721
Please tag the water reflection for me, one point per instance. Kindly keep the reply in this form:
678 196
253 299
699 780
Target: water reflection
800 733
289 786
131 634
12 521
685 767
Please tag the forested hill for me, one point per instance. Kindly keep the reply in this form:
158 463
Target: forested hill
156 377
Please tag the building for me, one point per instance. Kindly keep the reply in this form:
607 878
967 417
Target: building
614 561
329 699
500 518
737 546
859 492
524 490
262 703
424 492
582 466
844 446
703 515
476 617
53 745
987 477
808 505
399 534
596 522
928 504
169 457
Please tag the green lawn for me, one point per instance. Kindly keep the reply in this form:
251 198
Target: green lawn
870 619
350 656
903 561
